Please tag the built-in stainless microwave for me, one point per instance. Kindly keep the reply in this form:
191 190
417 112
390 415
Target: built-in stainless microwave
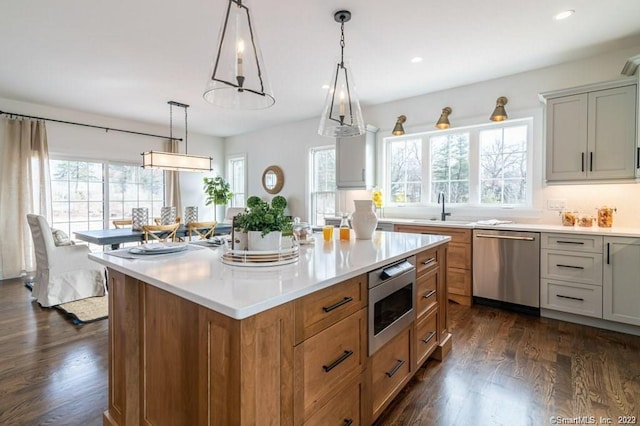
391 301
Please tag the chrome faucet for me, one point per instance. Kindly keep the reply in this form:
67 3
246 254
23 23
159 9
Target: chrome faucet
443 215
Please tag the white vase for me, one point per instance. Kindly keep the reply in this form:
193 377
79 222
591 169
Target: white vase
270 241
364 220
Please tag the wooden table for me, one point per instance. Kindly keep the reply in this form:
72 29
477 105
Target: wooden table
115 237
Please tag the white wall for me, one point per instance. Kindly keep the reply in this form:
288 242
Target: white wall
288 145
91 144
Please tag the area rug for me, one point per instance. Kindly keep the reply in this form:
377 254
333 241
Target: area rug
86 310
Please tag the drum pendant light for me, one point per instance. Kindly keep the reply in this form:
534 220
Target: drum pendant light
238 76
341 116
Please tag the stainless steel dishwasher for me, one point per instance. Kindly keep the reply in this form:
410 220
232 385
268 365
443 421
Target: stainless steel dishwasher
506 269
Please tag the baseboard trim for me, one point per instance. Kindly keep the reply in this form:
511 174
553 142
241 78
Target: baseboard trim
592 322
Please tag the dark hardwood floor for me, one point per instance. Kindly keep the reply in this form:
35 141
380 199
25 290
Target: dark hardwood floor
505 369
51 371
513 369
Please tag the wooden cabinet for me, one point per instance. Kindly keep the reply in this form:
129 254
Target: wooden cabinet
459 270
174 362
621 286
355 160
571 273
390 370
591 132
331 350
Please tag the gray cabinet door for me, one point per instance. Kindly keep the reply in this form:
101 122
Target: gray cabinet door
567 138
355 160
621 280
611 133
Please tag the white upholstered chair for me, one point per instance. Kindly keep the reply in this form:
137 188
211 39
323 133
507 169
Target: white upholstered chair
63 273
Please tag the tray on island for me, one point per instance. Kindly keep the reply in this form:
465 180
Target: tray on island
260 258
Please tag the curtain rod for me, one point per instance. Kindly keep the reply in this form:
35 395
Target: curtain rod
89 125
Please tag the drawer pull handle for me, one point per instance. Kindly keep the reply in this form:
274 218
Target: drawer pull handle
429 261
429 337
348 422
591 161
505 237
428 295
335 363
395 369
570 242
582 161
569 297
337 305
569 266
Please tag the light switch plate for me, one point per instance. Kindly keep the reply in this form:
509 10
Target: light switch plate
557 204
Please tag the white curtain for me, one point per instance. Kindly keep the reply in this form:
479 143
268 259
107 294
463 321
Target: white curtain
172 184
25 189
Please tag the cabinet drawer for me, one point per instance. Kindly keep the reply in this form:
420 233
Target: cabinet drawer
427 260
459 256
572 242
317 311
585 268
458 235
330 358
426 336
426 292
578 299
342 409
390 366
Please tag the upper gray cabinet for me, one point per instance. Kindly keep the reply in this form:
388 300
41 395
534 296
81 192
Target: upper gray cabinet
591 132
355 160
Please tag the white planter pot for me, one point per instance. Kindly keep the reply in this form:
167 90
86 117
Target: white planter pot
270 241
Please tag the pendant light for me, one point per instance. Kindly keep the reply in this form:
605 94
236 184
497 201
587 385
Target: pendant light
341 116
174 160
238 76
443 121
499 113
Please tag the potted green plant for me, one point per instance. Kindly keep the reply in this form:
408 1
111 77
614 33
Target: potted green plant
264 222
218 192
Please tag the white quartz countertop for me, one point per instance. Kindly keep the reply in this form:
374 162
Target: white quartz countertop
614 231
241 291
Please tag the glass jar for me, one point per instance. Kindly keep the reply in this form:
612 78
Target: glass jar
605 216
585 220
301 230
569 218
345 229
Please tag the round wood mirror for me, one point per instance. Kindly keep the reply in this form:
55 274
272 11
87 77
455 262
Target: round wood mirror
273 179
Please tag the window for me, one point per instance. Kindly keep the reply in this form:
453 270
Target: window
132 186
483 165
236 176
77 195
80 190
323 184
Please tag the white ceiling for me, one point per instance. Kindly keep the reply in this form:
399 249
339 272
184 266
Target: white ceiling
127 58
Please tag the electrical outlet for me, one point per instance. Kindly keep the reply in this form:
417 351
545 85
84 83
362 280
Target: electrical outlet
556 204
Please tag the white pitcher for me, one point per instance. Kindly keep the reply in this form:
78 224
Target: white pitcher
364 220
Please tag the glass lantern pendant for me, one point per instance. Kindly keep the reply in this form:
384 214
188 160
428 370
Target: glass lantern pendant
238 77
342 116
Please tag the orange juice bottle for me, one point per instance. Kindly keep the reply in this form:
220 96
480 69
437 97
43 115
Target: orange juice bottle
345 231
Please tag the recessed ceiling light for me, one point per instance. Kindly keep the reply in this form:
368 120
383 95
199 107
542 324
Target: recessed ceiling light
416 60
325 86
563 15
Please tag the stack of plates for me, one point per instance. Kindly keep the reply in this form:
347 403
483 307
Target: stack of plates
158 248
260 258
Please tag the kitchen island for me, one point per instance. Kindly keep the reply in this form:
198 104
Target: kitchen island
196 341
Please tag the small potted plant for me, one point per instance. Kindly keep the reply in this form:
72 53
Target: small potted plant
264 223
218 192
